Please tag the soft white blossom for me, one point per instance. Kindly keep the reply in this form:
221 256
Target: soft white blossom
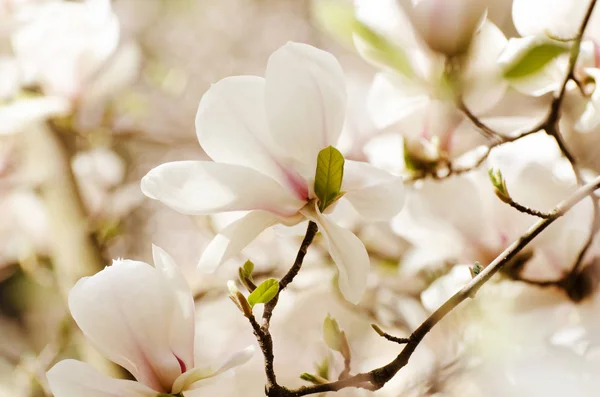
419 97
446 26
264 136
62 46
142 318
478 226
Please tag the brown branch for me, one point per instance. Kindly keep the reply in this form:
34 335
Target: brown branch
391 338
378 377
311 231
528 210
550 122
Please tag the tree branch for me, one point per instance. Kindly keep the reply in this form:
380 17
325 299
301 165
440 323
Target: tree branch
378 377
311 231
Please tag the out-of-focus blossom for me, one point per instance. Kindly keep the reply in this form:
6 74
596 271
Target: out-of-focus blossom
24 228
100 174
18 115
580 123
559 19
62 46
418 90
537 63
534 341
142 318
447 27
264 136
479 225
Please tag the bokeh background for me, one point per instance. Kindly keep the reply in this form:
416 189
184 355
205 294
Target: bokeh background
70 201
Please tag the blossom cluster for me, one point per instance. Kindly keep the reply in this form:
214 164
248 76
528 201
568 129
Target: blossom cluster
452 171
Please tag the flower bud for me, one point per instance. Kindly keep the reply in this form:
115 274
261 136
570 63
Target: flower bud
447 26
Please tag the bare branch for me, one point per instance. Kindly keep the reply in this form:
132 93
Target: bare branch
376 378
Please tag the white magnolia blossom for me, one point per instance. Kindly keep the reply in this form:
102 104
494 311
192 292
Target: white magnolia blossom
580 124
554 18
419 97
264 135
478 226
142 318
63 45
447 26
552 352
543 22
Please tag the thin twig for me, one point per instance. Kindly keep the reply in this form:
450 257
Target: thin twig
389 337
311 231
376 378
527 210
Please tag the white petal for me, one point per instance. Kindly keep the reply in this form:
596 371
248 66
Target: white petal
546 80
386 151
186 380
235 237
590 119
348 253
204 187
306 102
129 312
484 86
182 322
72 378
430 206
387 18
393 98
16 116
375 194
231 124
557 18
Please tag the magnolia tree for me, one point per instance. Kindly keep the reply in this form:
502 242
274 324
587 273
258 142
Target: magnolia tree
459 185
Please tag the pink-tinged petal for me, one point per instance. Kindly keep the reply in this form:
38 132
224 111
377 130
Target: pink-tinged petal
348 253
231 125
72 378
305 101
447 26
205 187
374 193
129 311
197 374
183 323
235 237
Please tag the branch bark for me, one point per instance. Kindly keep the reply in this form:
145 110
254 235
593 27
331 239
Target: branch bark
378 377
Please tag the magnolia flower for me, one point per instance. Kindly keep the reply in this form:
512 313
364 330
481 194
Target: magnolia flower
479 225
264 136
538 61
534 341
555 18
416 92
63 45
142 318
580 123
447 26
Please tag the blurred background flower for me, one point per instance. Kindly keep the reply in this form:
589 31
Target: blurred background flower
95 93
